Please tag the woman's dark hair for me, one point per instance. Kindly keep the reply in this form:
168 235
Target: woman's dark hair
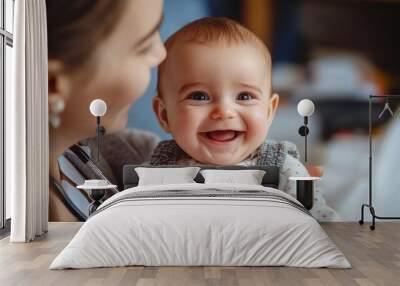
76 27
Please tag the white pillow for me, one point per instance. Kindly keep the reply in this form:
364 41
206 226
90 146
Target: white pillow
249 177
162 176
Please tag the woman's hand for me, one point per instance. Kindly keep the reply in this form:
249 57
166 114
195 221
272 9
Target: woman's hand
314 170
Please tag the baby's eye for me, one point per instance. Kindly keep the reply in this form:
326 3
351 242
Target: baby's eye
198 95
245 96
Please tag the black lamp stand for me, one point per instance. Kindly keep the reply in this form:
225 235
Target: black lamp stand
305 193
305 186
303 131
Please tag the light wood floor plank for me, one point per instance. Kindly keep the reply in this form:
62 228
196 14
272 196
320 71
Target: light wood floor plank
374 255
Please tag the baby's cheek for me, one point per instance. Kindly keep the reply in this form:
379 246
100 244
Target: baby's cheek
257 120
257 128
184 123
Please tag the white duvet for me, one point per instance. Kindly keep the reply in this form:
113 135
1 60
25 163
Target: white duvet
206 230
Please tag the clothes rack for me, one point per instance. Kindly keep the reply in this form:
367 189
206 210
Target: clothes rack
370 205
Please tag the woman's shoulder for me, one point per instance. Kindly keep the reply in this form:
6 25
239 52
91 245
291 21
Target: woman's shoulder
139 141
131 135
137 137
127 145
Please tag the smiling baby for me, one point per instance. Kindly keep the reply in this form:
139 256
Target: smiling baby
214 96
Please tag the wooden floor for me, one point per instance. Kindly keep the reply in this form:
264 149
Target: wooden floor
374 255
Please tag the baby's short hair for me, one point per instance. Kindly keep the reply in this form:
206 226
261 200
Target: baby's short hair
213 30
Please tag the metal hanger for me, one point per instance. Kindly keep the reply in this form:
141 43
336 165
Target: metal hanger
387 107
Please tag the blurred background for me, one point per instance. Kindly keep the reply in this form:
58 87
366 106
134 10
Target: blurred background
336 53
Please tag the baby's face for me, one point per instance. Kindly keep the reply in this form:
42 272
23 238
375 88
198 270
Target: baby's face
216 101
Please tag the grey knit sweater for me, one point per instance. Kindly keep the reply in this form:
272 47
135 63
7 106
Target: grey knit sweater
269 153
283 154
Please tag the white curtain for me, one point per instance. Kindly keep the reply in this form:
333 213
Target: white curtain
27 146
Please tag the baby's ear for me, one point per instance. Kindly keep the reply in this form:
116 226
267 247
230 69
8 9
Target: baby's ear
272 106
161 112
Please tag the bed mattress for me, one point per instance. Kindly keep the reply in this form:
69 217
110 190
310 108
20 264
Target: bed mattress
201 225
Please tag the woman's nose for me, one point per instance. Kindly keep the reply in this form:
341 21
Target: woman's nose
222 112
160 52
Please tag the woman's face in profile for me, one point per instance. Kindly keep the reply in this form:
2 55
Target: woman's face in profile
121 68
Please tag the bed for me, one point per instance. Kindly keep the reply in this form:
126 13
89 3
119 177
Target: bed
201 224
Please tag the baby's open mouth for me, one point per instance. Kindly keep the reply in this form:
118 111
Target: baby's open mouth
223 135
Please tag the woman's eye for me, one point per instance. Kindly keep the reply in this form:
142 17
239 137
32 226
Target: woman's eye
198 95
244 96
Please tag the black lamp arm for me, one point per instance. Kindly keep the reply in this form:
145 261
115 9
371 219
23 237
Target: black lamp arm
100 130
